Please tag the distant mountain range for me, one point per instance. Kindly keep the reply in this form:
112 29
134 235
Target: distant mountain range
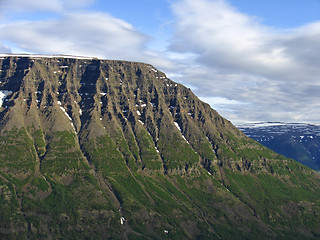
299 141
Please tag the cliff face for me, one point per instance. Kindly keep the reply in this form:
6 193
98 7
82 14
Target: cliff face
98 148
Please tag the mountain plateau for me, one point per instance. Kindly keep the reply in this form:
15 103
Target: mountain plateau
102 149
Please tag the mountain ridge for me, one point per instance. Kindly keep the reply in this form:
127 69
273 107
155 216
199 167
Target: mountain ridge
112 149
298 141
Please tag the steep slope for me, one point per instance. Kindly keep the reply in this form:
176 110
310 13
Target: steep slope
111 149
299 141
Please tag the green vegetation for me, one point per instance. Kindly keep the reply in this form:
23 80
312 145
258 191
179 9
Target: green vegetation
124 148
8 205
176 152
40 183
105 156
63 155
274 200
39 142
17 155
148 154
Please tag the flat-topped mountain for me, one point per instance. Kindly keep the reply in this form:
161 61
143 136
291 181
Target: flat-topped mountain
99 149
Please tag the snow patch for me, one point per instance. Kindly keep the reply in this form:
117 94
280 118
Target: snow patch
66 113
3 95
153 69
185 139
138 112
122 220
177 125
141 122
260 124
68 117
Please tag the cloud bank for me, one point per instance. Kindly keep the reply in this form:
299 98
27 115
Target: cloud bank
273 71
91 34
70 29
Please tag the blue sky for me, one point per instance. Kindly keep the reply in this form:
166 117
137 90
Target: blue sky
281 13
250 60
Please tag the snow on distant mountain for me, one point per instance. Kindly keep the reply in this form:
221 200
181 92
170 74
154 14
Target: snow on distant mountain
299 141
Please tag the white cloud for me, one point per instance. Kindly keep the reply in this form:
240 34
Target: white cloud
221 36
220 101
90 34
65 27
42 5
273 70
